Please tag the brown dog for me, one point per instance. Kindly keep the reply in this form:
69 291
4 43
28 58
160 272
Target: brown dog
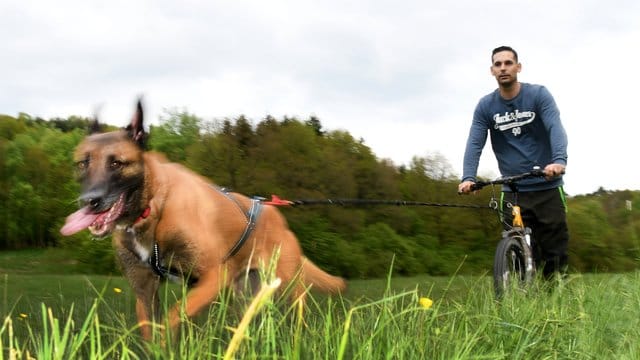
167 221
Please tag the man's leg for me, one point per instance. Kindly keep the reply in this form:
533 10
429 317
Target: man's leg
550 230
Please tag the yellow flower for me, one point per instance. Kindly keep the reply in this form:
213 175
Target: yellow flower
425 302
117 290
23 315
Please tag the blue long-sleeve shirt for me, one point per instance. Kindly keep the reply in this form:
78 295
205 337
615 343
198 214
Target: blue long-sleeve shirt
525 131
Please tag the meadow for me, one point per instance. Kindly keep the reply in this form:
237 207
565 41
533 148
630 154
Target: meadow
48 311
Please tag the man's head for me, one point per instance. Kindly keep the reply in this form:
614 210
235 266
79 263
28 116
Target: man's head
504 48
505 66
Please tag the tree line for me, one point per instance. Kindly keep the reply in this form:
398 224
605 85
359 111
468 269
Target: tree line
299 159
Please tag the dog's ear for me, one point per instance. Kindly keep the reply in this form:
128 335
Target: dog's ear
136 128
94 125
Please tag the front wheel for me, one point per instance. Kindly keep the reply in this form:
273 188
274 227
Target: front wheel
511 266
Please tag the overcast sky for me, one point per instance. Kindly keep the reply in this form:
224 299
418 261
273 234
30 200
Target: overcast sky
404 76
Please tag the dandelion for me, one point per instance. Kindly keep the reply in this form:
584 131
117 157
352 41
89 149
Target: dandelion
117 290
425 302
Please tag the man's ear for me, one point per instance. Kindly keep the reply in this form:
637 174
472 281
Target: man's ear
135 129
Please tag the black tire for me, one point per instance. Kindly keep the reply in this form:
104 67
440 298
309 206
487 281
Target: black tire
509 266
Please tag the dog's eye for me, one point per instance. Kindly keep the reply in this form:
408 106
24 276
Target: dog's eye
116 164
82 165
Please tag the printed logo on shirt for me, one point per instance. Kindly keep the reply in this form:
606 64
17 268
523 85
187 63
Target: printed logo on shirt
513 120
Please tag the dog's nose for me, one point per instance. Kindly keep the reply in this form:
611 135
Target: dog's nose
95 203
93 199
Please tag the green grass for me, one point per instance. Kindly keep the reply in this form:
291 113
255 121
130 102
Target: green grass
50 316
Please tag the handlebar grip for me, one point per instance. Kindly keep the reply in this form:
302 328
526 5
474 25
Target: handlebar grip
478 185
537 172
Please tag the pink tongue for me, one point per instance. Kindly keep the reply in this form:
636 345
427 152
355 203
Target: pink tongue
77 221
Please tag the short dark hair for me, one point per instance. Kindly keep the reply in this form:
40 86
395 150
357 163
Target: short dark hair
504 48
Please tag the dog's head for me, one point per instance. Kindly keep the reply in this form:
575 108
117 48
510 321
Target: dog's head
110 169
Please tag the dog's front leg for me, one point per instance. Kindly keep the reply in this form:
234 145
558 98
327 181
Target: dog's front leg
147 302
145 285
199 296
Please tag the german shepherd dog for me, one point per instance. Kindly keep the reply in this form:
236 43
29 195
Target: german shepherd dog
168 221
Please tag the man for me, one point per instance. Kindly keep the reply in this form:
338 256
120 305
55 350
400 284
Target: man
524 124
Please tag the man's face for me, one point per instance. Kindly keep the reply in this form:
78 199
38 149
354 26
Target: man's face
505 68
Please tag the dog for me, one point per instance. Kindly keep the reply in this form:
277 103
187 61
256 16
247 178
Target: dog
169 222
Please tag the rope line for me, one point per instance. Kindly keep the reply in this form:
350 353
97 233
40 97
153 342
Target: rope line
345 202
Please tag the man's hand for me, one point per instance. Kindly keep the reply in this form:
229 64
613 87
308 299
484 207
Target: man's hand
553 170
465 187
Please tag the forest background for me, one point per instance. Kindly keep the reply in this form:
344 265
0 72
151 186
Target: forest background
298 159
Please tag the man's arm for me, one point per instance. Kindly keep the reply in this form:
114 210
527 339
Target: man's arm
553 124
475 144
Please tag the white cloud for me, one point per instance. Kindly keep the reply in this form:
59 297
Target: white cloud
405 76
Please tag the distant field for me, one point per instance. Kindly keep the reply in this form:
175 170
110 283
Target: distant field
51 274
38 261
49 312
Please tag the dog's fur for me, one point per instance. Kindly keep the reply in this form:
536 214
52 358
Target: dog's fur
193 224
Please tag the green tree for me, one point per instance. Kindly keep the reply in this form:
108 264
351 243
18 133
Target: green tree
177 131
301 160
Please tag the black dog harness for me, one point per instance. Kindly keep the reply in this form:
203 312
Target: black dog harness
252 215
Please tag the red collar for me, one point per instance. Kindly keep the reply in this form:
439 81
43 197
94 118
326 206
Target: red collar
144 215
